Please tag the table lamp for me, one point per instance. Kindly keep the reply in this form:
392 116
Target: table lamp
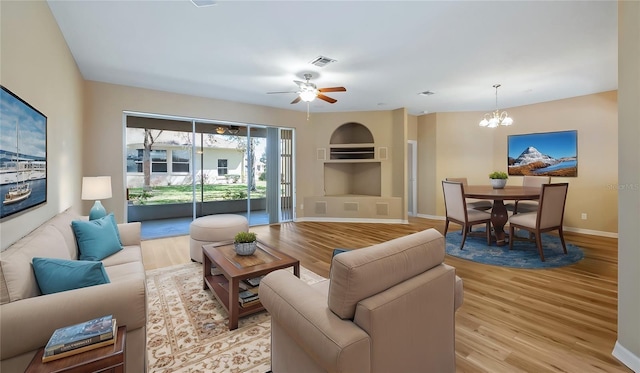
96 188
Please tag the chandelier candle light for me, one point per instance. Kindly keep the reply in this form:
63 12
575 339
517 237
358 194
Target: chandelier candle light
496 118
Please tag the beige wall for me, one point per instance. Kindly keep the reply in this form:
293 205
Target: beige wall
463 149
37 66
627 348
104 128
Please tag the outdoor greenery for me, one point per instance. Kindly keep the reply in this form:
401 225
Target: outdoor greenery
183 193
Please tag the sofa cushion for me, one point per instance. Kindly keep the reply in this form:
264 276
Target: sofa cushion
359 274
97 239
16 261
56 275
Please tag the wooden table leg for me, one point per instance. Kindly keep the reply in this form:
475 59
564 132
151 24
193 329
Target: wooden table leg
499 218
296 269
234 309
206 269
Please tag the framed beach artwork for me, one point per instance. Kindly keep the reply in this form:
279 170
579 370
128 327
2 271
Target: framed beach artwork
23 155
543 154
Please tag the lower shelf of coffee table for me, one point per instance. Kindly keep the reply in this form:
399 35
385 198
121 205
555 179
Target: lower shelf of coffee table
222 294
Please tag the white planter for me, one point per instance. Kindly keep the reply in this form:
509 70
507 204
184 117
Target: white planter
245 248
498 183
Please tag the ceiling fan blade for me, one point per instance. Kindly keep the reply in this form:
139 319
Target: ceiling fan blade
326 98
332 89
296 100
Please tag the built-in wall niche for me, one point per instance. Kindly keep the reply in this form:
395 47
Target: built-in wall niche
362 179
351 133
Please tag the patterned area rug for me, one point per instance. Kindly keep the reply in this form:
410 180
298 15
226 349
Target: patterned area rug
187 329
523 255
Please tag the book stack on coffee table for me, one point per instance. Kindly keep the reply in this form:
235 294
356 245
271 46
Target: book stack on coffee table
78 338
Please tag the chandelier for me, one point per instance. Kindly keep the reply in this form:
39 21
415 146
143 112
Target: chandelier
495 119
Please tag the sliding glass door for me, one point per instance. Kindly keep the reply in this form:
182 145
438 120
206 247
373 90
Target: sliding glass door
180 168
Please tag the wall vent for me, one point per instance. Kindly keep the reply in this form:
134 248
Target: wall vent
321 208
351 206
382 153
382 208
321 154
322 61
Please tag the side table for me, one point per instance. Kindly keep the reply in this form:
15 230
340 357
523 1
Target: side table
107 359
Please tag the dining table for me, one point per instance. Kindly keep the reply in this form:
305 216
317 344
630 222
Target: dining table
499 216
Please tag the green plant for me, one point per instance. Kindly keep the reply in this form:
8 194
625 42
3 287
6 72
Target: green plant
498 175
244 237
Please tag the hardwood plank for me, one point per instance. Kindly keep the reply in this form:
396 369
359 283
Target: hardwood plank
512 320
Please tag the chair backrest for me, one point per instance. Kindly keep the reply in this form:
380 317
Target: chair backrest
359 274
462 180
551 207
454 202
535 181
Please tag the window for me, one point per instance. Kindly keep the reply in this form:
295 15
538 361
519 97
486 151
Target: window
158 161
134 160
222 167
180 161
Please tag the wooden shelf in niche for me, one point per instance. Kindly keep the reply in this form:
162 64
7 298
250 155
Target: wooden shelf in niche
349 153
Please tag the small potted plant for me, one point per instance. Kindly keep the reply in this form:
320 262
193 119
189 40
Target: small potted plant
245 243
498 179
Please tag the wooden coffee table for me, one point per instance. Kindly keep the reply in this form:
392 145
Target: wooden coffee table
235 268
103 359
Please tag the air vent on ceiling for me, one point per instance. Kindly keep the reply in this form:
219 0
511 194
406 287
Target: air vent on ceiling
203 3
322 61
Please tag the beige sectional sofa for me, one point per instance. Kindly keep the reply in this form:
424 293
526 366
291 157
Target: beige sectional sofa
27 318
385 308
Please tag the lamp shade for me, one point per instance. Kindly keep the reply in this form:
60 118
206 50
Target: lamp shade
96 188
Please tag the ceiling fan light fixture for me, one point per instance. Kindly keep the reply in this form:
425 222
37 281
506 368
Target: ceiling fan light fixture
233 130
308 95
220 130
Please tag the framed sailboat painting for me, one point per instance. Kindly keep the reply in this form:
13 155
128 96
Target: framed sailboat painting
23 155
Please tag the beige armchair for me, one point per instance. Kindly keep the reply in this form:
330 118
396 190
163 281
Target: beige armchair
386 308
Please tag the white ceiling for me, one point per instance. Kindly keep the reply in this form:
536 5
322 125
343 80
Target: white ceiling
386 51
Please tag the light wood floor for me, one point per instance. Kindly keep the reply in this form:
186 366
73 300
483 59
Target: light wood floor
512 320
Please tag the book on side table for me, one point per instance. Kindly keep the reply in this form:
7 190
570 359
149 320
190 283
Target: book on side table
74 339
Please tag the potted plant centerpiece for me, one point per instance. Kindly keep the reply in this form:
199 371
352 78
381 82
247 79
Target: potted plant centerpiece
245 243
498 179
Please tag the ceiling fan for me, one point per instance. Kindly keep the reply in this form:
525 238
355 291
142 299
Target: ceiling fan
308 91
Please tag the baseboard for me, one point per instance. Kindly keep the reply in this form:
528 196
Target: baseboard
626 357
349 220
591 232
432 217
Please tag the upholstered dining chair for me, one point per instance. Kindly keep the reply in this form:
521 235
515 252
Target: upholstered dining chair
528 206
472 203
458 212
548 217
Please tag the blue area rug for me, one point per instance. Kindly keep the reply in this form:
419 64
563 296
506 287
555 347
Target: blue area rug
523 255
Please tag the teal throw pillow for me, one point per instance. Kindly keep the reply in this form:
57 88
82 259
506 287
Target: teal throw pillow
115 226
97 239
55 275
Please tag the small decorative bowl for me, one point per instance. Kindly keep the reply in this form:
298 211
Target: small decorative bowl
245 248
